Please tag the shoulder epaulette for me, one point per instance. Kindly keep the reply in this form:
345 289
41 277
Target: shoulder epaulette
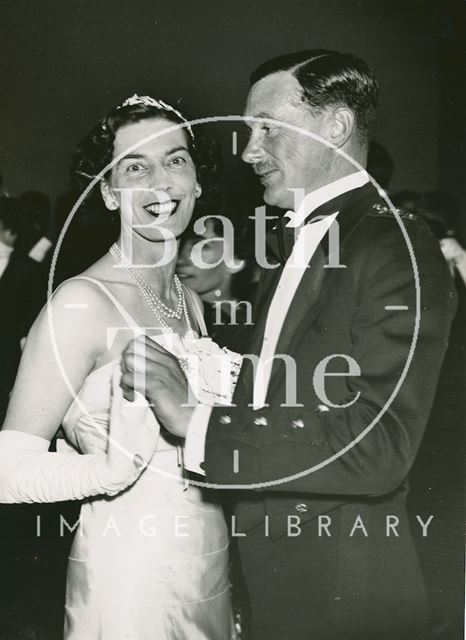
384 211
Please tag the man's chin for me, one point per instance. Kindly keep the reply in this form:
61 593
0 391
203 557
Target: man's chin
277 198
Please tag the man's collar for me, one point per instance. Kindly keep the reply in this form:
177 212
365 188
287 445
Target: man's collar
5 249
315 199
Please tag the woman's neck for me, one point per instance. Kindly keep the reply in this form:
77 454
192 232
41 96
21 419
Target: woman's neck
155 261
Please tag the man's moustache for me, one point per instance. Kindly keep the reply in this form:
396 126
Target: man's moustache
261 169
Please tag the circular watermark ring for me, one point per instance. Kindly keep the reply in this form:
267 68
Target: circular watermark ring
382 194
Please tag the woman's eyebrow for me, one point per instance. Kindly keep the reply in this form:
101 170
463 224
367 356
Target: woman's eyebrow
141 156
131 156
176 149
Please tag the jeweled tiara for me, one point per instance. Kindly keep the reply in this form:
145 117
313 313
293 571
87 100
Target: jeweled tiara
158 104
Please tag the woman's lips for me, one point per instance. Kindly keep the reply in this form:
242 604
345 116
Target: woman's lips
167 208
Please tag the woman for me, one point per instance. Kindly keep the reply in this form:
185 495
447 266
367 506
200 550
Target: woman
218 265
150 557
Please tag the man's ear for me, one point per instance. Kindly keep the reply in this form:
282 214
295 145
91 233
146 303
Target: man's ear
198 191
108 196
342 126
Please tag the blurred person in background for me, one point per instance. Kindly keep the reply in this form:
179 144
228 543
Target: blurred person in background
380 164
225 286
438 471
20 294
37 240
406 200
442 213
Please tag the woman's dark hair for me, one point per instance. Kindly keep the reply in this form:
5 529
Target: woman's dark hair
95 151
329 78
12 215
95 228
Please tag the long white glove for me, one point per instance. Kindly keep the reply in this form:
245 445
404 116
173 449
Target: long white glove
30 473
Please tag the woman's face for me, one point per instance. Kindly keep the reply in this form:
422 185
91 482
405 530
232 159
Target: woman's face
209 276
155 183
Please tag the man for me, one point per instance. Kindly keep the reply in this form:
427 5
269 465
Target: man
19 294
322 530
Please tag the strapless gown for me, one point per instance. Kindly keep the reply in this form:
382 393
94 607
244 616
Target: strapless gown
150 563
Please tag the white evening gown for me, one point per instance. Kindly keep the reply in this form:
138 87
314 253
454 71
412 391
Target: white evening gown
150 563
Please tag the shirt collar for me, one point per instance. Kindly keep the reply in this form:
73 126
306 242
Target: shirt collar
5 250
324 194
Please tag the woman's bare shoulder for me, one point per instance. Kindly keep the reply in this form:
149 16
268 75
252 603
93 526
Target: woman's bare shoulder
81 292
77 309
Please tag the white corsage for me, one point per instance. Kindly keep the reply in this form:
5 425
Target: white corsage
212 371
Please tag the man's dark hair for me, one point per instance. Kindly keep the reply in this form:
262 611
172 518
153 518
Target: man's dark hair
330 78
13 217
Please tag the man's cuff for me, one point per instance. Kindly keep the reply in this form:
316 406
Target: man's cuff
40 249
194 446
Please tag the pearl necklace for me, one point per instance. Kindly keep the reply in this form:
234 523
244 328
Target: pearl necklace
152 300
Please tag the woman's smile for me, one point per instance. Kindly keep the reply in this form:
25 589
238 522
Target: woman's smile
157 209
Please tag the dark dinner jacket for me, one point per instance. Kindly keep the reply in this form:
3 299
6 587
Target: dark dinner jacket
343 311
22 293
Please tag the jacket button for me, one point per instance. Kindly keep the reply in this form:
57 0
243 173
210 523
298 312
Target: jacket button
224 419
260 421
297 424
322 408
301 507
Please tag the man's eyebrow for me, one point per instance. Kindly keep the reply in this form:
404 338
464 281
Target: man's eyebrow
262 114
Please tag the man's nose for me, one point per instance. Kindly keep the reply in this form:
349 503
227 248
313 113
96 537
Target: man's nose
253 151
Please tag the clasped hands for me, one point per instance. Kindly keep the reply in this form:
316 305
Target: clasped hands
156 373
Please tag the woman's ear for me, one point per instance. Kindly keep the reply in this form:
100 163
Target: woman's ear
342 127
108 196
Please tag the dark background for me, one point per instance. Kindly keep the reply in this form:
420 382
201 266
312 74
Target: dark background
64 63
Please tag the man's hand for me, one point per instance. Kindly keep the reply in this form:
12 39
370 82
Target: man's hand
154 372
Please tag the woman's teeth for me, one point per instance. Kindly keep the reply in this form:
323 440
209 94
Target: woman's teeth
162 208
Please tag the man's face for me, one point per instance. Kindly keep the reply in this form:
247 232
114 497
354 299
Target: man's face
7 236
283 158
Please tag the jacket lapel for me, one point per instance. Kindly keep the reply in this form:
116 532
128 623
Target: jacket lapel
266 289
315 285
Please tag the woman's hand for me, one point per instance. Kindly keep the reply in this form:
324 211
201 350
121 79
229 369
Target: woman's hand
133 433
155 373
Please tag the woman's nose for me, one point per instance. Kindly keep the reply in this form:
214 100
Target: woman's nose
184 256
161 179
181 260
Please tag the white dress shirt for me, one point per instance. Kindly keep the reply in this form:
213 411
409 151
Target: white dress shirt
308 237
40 249
5 254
